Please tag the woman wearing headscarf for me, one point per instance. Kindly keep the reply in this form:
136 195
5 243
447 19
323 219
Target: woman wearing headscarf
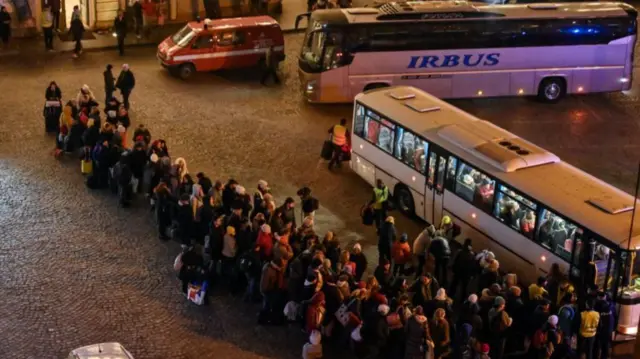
85 99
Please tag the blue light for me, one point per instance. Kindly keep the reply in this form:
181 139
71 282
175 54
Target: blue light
575 31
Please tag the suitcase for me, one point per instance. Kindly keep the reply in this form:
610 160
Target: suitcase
86 167
327 150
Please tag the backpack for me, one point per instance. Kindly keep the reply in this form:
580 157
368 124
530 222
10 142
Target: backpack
539 339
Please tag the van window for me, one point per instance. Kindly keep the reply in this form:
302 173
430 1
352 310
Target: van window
203 42
238 38
225 38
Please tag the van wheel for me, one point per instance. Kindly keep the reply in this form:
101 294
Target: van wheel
185 71
404 200
374 86
552 89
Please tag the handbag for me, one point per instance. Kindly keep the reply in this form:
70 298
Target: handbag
342 314
86 167
327 150
197 292
177 263
367 215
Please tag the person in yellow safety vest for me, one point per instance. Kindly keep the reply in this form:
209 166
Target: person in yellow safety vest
47 27
379 202
339 138
589 320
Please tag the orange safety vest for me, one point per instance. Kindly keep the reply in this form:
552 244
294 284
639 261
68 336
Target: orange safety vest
339 136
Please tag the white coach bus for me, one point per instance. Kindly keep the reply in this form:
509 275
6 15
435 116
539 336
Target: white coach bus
506 193
455 49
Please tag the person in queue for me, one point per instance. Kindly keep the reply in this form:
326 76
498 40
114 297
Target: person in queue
339 137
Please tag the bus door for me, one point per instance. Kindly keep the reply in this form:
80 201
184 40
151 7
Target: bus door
434 190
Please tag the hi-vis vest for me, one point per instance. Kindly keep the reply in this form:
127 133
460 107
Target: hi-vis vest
339 136
589 323
381 196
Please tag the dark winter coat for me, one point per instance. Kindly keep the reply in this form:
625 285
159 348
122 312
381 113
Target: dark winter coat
464 263
361 264
440 334
126 81
184 217
384 278
77 29
216 240
109 81
53 95
417 332
424 293
90 136
120 26
375 331
387 235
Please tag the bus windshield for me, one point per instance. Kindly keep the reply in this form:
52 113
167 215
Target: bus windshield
312 49
321 50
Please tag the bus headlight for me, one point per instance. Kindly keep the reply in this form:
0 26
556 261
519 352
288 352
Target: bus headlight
311 87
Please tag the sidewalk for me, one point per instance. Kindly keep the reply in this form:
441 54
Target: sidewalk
106 41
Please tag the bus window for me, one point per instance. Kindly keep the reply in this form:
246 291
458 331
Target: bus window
411 150
386 137
358 127
475 187
371 127
516 211
442 169
431 173
556 234
451 173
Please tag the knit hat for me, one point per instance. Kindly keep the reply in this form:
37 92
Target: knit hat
383 309
121 129
265 228
85 87
154 158
553 320
441 294
240 190
498 301
485 348
263 184
404 238
490 256
125 66
391 220
357 246
308 221
473 298
315 337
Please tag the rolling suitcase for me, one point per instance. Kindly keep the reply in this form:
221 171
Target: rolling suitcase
327 150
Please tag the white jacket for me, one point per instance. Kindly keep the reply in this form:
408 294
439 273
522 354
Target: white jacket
421 243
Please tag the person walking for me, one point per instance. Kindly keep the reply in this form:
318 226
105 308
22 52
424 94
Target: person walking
47 27
379 203
138 16
271 62
109 84
77 30
339 137
589 321
120 28
5 26
125 83
386 238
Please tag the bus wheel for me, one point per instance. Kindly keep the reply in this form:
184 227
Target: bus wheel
552 89
404 200
374 86
185 71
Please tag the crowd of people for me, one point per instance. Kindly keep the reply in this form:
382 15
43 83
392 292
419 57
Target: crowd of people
248 244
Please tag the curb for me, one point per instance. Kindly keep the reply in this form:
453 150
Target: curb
135 45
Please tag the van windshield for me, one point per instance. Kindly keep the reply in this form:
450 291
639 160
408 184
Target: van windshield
183 37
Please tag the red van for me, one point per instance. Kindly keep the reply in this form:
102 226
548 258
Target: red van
220 44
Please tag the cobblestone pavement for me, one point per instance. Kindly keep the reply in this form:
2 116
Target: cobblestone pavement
77 270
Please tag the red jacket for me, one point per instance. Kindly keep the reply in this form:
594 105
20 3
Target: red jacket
265 241
401 253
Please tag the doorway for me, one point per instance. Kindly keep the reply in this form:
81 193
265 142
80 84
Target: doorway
84 11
